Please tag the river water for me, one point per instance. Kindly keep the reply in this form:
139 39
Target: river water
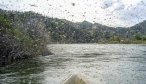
98 63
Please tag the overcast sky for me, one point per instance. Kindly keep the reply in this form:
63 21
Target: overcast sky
108 12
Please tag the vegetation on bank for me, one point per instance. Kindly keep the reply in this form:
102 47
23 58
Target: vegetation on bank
136 39
17 44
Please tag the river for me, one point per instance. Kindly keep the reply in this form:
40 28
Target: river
98 63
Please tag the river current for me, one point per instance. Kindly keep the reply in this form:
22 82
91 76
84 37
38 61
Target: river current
97 63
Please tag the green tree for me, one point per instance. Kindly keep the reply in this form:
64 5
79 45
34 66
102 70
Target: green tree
138 37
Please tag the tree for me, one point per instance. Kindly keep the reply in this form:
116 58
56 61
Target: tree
138 37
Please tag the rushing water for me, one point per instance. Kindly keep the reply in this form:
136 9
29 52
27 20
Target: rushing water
98 63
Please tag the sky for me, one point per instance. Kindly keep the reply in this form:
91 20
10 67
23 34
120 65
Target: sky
114 13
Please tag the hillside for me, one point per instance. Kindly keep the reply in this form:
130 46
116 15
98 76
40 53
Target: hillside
63 31
18 40
139 28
